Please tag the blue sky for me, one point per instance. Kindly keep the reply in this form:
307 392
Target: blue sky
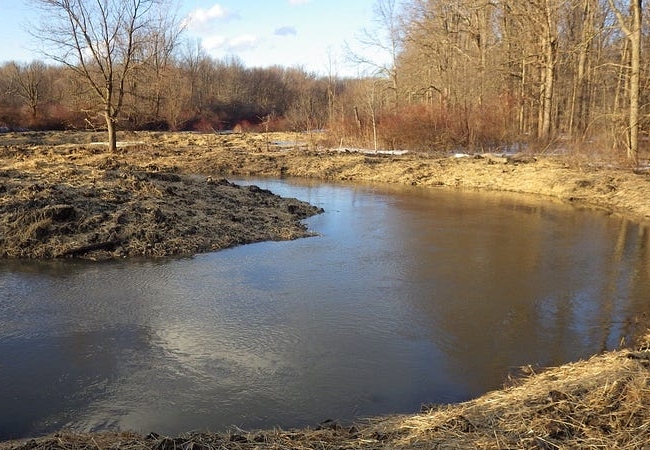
305 33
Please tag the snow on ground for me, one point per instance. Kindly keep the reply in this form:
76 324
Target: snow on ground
367 151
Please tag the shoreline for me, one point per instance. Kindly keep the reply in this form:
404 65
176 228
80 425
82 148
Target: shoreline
598 403
79 203
604 401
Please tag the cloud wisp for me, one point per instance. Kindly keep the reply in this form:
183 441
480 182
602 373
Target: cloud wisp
201 17
229 45
285 31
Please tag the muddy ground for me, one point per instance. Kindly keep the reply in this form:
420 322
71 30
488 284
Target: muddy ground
61 194
161 194
60 201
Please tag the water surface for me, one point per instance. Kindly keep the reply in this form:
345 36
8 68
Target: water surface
405 297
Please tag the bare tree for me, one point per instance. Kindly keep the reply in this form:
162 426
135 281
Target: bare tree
386 39
584 20
27 82
537 22
631 27
102 41
159 52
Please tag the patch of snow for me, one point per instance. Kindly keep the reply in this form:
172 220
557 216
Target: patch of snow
289 144
121 144
367 151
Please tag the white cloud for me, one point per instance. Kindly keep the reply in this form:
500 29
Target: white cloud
211 43
218 43
200 17
243 42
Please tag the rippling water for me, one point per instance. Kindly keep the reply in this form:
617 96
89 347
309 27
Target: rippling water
406 297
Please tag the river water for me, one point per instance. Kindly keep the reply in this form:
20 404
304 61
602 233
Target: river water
406 296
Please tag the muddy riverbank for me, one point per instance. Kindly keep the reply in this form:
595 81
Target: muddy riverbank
67 201
169 183
161 194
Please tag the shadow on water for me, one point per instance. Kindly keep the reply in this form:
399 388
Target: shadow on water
406 296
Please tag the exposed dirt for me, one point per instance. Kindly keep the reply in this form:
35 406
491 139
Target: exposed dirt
77 201
146 198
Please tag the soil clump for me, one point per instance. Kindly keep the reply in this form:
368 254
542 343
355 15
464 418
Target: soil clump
76 201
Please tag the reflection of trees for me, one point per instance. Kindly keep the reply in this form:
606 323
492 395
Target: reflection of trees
508 283
625 281
635 319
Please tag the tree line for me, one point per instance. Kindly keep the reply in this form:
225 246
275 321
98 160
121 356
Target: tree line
540 71
443 74
194 92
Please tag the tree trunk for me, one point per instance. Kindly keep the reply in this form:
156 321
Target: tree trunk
521 117
549 45
633 32
580 96
112 133
635 71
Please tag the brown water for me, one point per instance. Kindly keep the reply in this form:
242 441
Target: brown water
406 297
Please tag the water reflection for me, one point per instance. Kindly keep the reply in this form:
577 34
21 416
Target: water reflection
546 285
406 296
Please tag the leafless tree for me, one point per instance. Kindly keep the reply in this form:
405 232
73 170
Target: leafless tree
631 27
27 81
158 52
384 42
103 42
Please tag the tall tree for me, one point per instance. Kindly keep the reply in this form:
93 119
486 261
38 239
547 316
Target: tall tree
102 41
27 82
159 52
383 45
537 21
584 19
631 27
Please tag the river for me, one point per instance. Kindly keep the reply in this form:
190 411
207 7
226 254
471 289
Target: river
406 296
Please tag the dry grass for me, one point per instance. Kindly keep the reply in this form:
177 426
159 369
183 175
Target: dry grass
600 403
77 201
603 402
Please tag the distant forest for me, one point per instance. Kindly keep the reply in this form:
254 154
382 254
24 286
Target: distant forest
470 74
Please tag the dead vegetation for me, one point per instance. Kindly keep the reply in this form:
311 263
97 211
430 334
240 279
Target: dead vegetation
56 192
74 201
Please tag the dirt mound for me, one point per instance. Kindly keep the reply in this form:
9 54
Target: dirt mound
103 208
